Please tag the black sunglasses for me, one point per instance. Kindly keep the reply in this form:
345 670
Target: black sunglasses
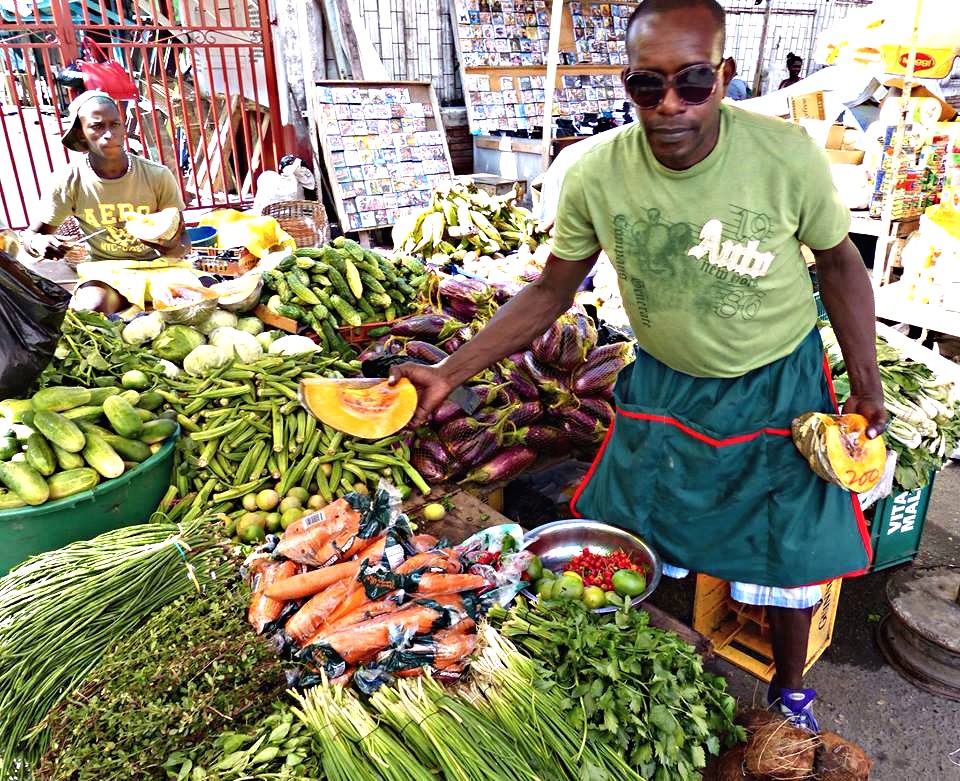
694 85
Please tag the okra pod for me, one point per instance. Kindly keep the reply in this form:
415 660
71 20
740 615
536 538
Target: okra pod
216 432
277 430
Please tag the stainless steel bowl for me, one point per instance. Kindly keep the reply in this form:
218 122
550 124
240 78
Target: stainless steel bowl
558 542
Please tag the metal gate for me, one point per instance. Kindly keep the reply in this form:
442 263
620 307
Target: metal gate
208 107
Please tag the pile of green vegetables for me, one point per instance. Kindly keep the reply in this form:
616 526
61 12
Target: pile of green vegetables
191 673
924 412
63 609
641 690
342 285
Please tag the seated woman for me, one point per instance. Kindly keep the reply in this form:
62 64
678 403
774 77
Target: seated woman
794 66
100 191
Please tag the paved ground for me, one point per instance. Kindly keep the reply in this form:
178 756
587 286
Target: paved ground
909 733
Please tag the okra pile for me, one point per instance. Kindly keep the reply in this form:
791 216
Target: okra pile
245 431
341 285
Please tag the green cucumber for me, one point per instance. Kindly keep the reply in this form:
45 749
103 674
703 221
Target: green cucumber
10 501
73 481
102 457
60 398
60 430
85 413
9 446
347 313
98 395
122 416
25 481
128 449
66 459
40 455
151 400
158 430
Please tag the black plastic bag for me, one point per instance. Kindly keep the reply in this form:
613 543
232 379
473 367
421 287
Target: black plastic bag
31 313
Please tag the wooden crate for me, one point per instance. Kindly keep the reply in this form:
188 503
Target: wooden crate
741 633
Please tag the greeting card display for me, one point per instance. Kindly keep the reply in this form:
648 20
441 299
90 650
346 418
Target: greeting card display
384 148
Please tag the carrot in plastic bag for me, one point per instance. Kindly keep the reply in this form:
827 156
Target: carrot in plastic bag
263 609
314 613
305 538
431 560
362 642
436 583
366 611
313 582
423 542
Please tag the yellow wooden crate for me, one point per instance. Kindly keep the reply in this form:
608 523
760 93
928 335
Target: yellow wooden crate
741 633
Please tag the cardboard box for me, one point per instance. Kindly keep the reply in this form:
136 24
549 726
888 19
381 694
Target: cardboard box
809 106
846 157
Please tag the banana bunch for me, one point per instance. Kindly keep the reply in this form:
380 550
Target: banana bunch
463 219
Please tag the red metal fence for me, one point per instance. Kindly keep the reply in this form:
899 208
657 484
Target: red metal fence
208 108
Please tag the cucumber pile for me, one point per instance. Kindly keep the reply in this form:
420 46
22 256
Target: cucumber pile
64 440
339 285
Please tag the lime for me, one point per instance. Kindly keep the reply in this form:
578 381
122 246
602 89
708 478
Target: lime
629 583
535 569
290 503
135 380
251 527
434 512
268 499
543 587
274 523
568 588
250 503
315 502
594 597
300 492
290 515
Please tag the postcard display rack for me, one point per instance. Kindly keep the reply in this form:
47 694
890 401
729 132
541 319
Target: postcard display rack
384 149
503 47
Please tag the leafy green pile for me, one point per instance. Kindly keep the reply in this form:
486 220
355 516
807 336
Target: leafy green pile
642 690
924 412
92 353
193 669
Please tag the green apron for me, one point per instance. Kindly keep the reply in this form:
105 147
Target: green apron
706 471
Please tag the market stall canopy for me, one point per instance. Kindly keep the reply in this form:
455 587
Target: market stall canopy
879 34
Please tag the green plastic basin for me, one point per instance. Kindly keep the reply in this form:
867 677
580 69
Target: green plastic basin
123 501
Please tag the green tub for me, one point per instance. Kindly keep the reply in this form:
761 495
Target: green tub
123 501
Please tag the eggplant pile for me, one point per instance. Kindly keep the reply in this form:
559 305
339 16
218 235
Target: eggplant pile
550 399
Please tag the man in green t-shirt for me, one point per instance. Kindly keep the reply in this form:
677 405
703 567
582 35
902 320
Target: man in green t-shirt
99 191
702 209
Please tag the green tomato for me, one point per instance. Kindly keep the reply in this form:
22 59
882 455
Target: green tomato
543 588
629 583
594 597
568 588
535 569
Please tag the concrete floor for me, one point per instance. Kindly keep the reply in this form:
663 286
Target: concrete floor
909 734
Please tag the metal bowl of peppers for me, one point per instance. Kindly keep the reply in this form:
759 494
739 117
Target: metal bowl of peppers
559 544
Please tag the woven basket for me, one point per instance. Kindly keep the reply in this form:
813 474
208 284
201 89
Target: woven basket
79 253
305 221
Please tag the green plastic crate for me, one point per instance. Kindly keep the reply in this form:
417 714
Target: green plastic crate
123 501
897 526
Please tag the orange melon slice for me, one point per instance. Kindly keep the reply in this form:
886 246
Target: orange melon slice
837 449
367 409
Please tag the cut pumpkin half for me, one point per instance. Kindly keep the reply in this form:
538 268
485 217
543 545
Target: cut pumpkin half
838 450
368 409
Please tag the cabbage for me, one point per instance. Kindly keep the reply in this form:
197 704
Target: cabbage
252 325
224 337
176 342
218 319
206 359
293 345
246 346
266 338
143 329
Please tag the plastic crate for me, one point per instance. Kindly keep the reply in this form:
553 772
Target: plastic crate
359 335
741 633
129 499
896 526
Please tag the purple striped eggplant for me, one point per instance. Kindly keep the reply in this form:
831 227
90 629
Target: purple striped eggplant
588 332
504 291
488 393
375 350
621 350
563 404
429 469
465 288
582 436
454 343
598 408
508 395
546 347
524 413
590 379
520 381
503 466
544 439
447 411
571 352
546 378
418 326
462 309
425 351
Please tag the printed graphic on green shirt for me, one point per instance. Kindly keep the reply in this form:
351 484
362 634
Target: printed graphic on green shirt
711 270
111 217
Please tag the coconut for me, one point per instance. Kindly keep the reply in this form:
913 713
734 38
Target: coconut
728 767
781 752
840 760
751 720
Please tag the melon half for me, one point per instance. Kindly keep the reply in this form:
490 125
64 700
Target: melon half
367 409
159 226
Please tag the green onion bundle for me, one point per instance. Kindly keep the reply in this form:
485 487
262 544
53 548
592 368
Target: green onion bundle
61 610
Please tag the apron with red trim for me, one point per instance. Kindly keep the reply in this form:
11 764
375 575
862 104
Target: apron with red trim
706 471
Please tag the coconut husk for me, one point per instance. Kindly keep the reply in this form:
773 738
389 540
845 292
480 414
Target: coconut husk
840 760
781 752
728 767
751 720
